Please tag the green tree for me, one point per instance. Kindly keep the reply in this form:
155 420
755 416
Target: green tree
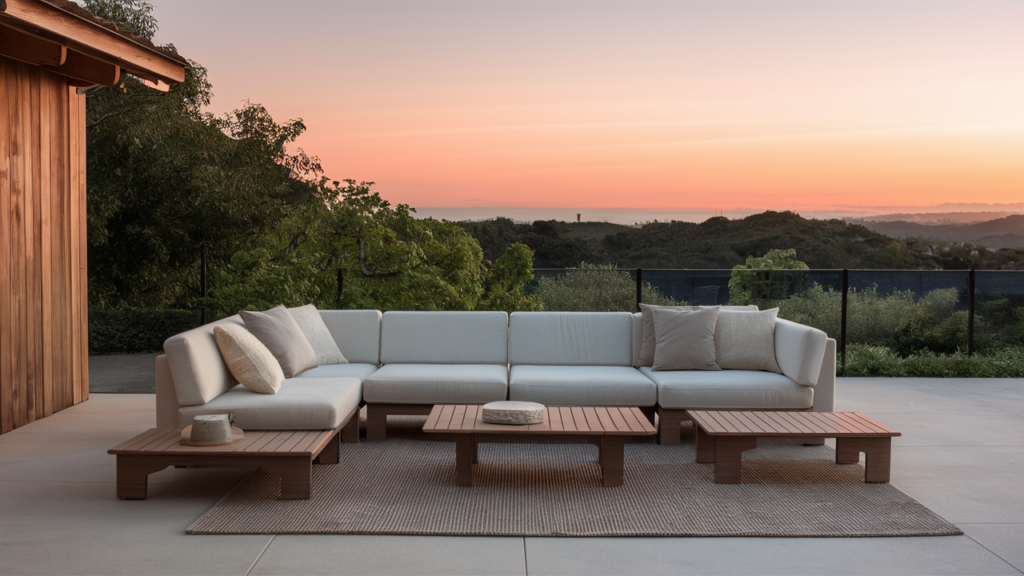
387 259
770 277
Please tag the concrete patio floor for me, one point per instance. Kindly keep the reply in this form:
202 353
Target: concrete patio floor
961 454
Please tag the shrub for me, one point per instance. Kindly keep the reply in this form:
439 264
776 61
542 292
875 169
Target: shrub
135 330
597 289
865 360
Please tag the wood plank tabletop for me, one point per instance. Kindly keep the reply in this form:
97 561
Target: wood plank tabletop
809 424
587 420
256 442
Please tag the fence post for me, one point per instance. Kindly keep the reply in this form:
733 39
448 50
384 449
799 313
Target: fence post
341 279
639 287
202 287
842 322
970 312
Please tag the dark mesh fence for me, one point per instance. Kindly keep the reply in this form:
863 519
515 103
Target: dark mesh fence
908 311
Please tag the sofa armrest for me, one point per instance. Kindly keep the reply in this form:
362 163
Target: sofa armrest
825 389
799 350
166 398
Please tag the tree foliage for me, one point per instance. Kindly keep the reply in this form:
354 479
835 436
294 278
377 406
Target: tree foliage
597 288
383 256
769 277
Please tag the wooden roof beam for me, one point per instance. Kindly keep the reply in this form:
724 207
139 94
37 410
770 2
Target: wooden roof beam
85 68
24 47
85 36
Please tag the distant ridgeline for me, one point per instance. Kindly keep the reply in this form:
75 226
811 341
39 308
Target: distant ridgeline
723 243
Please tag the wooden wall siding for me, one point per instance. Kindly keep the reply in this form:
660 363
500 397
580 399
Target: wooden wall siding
43 301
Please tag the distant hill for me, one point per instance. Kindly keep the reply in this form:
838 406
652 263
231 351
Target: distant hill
722 243
936 217
1005 232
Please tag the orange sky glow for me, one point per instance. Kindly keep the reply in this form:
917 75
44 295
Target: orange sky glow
647 105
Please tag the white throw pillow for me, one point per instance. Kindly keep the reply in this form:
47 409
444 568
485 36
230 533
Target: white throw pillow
313 327
746 340
282 336
248 359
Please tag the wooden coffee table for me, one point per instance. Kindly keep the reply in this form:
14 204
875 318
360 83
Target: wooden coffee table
289 454
607 427
723 436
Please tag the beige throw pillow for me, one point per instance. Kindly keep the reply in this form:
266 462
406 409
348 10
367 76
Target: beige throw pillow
281 334
746 340
685 339
319 337
249 361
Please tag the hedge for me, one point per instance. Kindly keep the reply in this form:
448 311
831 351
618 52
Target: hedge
135 330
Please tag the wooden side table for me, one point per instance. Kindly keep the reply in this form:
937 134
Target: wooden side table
289 454
722 436
607 426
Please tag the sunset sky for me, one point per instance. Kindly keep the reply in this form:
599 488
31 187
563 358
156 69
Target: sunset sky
648 105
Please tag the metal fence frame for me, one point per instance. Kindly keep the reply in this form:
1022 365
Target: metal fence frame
845 288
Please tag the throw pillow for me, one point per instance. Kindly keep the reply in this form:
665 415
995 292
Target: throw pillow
746 340
249 361
319 337
281 334
649 344
685 340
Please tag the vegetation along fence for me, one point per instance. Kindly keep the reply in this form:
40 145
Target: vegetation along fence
900 312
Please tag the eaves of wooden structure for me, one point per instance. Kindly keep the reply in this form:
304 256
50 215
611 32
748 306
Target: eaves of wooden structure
47 51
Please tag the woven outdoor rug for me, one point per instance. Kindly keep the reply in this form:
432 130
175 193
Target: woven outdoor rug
406 485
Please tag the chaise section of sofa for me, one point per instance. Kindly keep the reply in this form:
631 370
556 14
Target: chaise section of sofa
575 359
193 379
436 358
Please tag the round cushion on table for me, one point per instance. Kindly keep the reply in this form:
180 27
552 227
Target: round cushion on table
512 412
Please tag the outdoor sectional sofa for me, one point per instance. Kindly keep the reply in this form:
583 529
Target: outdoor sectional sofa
405 362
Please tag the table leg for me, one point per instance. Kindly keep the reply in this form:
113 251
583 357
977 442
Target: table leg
705 446
476 449
329 455
296 474
464 450
133 473
877 455
611 460
729 456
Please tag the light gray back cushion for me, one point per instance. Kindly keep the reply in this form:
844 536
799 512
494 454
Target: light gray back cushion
357 333
571 338
199 371
444 338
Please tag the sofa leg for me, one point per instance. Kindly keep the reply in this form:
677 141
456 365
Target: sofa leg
350 431
669 422
376 422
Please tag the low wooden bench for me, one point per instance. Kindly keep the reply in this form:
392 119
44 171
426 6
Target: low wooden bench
722 436
289 454
606 427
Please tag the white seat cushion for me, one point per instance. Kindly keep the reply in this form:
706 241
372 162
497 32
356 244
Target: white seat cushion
582 386
437 384
729 390
360 371
300 404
